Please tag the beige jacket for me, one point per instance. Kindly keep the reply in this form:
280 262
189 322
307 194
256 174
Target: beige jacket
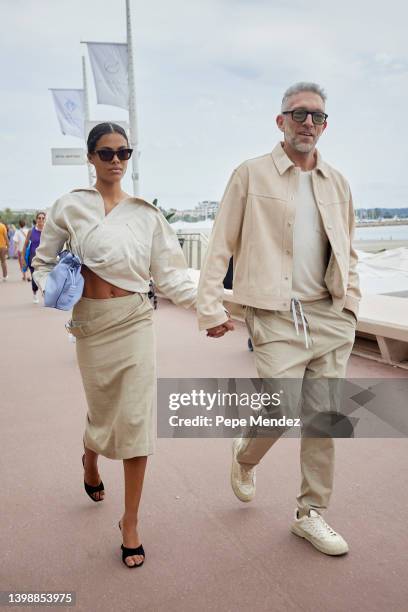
125 247
255 225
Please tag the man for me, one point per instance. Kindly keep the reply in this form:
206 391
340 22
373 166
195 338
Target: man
287 218
4 245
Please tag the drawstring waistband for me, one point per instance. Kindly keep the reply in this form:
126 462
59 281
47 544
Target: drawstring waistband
295 302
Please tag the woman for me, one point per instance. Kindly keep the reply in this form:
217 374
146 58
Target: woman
122 242
34 238
4 245
19 239
11 231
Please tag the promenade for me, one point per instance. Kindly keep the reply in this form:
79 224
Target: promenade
205 551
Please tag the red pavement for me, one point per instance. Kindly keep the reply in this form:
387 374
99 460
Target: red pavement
204 549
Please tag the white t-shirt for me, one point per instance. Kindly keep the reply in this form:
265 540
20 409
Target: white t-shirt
19 237
310 245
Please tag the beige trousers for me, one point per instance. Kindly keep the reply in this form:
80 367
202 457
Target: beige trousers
281 353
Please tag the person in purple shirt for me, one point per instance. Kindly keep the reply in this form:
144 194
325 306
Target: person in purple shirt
34 238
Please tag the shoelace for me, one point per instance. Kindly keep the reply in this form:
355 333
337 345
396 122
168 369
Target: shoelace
319 527
294 303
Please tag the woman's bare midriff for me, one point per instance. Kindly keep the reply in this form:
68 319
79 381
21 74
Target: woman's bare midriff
98 289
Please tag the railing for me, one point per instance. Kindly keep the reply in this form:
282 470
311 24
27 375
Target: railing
194 248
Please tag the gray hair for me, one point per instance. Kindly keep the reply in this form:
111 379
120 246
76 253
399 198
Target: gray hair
303 86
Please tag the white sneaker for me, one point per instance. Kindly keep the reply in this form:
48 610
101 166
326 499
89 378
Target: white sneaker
314 528
5 278
36 299
242 478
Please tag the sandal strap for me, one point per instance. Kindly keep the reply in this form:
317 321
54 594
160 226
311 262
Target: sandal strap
130 552
90 489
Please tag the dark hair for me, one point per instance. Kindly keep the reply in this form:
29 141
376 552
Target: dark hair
40 212
21 223
100 130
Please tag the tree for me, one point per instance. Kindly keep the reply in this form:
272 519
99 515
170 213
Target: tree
167 215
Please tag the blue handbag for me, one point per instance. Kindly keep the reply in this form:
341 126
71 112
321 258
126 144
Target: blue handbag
65 283
27 257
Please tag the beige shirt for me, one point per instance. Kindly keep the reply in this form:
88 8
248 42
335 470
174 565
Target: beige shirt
255 223
126 247
310 245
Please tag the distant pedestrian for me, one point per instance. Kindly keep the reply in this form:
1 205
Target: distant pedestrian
4 245
19 239
31 244
12 251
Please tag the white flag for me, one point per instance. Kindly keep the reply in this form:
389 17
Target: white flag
109 63
70 108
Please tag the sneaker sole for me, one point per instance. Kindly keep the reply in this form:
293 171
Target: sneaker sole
301 534
236 491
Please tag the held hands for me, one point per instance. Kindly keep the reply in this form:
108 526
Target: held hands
220 330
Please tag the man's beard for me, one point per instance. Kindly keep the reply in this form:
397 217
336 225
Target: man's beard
300 147
303 147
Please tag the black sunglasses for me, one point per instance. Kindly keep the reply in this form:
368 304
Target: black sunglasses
107 155
300 115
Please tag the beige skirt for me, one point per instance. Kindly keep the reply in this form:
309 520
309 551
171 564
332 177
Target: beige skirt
116 357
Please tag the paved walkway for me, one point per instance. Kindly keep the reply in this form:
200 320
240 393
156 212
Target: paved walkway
205 550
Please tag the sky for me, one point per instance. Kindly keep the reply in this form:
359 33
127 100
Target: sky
210 75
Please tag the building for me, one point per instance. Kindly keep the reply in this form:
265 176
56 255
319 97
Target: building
208 208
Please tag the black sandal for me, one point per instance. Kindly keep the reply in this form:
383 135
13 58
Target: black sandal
129 552
90 489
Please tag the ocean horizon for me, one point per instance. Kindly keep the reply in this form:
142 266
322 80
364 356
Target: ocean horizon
389 232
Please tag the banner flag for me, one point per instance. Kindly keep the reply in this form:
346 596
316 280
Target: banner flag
70 108
109 62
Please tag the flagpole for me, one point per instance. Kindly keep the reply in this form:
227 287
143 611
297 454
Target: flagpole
87 114
134 140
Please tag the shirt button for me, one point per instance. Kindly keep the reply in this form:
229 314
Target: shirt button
287 252
286 277
329 227
289 224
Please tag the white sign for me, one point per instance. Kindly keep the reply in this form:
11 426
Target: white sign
91 124
68 157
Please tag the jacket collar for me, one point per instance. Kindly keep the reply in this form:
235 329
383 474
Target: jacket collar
283 163
131 199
